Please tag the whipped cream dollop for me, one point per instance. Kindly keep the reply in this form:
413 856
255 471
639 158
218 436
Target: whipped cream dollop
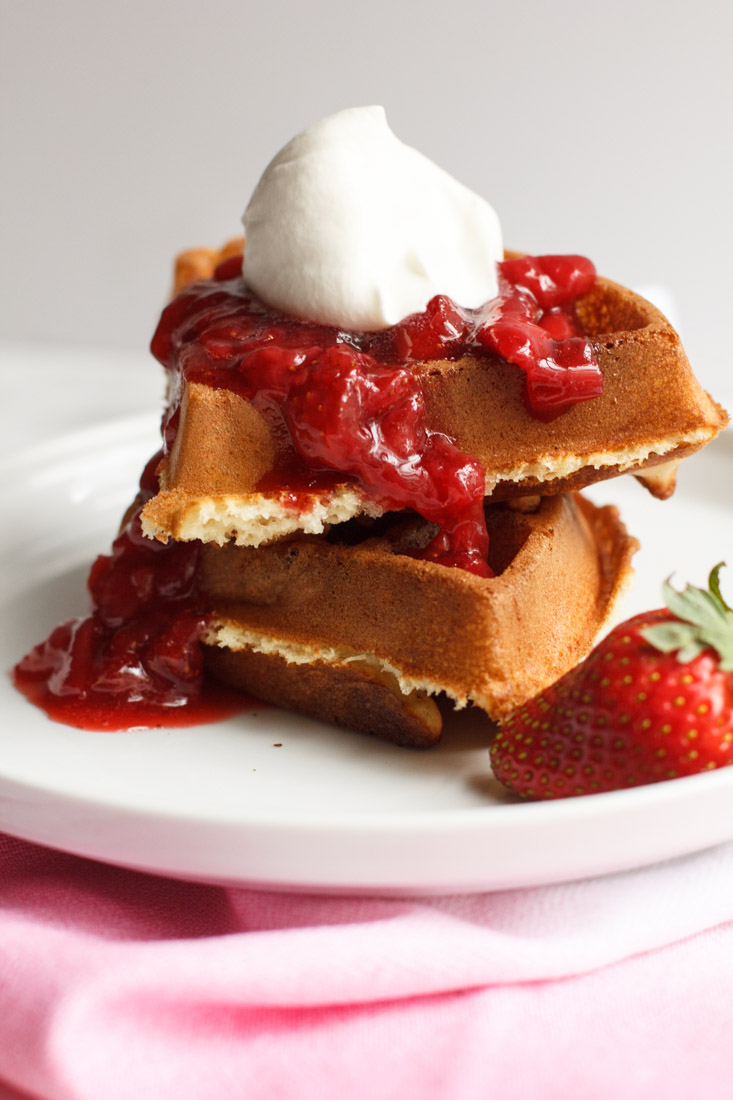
350 227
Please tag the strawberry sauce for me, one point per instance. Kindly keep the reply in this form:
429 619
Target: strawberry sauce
350 402
136 661
351 406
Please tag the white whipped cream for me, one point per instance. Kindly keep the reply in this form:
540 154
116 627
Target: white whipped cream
349 227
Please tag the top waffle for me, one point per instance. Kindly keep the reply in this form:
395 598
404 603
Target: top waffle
651 414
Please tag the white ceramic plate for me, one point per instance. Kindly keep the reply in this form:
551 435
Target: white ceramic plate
327 810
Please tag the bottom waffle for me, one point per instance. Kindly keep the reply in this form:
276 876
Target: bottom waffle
351 628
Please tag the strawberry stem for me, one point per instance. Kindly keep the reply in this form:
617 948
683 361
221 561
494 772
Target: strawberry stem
714 585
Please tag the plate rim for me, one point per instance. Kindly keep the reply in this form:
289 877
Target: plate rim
601 808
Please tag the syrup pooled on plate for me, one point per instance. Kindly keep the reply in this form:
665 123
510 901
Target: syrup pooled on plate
135 661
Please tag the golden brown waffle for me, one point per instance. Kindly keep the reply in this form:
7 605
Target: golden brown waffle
652 414
358 632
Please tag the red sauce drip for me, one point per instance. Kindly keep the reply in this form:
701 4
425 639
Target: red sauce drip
350 402
136 661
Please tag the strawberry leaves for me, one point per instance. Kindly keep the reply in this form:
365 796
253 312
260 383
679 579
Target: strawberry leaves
703 621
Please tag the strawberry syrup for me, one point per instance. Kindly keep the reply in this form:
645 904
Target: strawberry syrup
350 402
136 661
352 407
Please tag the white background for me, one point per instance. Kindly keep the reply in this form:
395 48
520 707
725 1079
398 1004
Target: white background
131 130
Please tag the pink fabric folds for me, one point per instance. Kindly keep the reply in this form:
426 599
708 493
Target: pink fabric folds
121 986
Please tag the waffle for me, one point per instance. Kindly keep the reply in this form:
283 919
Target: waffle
651 414
358 632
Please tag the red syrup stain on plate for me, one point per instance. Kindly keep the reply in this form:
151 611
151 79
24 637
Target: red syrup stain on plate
111 713
136 661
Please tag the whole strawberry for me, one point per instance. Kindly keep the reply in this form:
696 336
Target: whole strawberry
653 701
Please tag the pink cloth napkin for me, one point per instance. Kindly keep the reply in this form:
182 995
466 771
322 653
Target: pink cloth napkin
116 985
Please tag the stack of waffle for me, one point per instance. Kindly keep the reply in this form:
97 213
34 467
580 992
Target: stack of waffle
323 607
